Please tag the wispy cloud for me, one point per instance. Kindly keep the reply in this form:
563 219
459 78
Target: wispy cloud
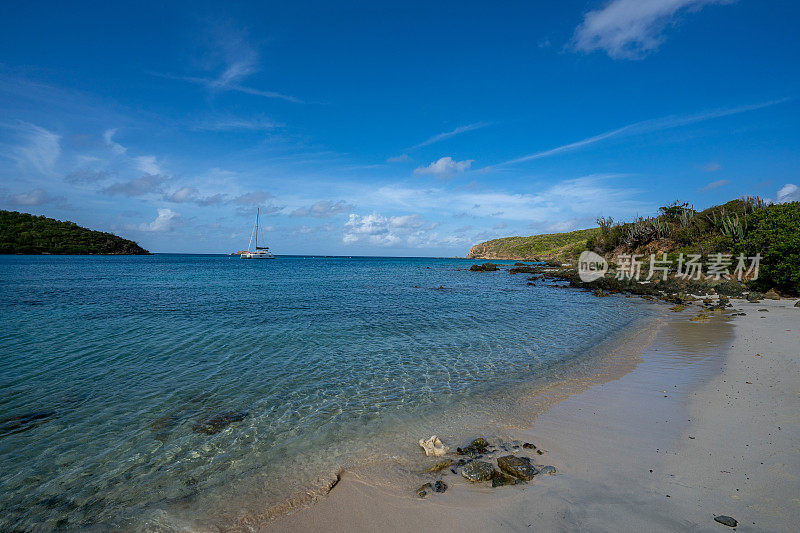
712 167
445 167
645 126
714 185
788 193
149 184
448 134
108 137
36 197
148 164
322 209
38 148
234 59
237 124
629 29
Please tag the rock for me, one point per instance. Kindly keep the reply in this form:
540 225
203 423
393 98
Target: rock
423 490
797 304
540 452
529 446
433 446
477 471
500 479
486 267
441 465
677 308
547 470
215 424
439 486
520 467
772 294
20 423
475 448
763 310
600 293
726 520
754 297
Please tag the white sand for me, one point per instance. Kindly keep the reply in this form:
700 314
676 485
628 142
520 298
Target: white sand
715 444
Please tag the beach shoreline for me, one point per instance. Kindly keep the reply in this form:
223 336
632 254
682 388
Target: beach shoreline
682 432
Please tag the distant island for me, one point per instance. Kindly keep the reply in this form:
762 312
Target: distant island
22 233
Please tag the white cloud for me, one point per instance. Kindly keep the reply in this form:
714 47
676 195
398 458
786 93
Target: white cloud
165 221
712 167
629 29
322 209
108 137
148 164
35 197
39 148
452 133
151 183
376 229
788 193
445 167
714 185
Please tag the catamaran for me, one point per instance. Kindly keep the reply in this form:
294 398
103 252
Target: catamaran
257 252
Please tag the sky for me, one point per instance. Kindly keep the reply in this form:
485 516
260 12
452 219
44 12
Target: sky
391 128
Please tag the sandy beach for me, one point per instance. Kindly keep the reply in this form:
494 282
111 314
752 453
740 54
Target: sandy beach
703 421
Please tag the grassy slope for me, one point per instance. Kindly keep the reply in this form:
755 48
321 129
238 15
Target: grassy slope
21 233
548 246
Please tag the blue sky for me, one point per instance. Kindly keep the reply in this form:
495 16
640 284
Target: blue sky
383 128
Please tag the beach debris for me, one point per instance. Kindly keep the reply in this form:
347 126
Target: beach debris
477 471
772 294
439 486
441 465
216 423
474 448
486 267
433 446
423 490
520 467
726 520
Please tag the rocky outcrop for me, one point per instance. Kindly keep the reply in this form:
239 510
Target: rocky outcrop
519 467
478 471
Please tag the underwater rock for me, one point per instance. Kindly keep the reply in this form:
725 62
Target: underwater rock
529 446
216 423
547 469
478 471
441 465
520 467
439 486
433 446
423 490
500 479
726 520
20 423
475 448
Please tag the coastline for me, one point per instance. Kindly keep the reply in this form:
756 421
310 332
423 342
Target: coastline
679 405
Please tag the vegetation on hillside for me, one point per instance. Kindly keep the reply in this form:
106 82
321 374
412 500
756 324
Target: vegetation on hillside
549 246
21 233
746 226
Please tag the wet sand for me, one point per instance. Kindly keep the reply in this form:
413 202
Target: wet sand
701 426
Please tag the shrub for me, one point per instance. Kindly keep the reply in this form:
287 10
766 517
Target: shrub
774 232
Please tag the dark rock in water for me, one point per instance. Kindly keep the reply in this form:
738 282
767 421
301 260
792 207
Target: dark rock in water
754 297
475 448
477 471
547 470
500 479
763 310
540 452
214 424
439 486
600 293
726 520
797 304
529 446
520 467
423 490
486 267
441 465
20 423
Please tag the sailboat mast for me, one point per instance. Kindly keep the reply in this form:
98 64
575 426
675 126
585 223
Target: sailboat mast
257 212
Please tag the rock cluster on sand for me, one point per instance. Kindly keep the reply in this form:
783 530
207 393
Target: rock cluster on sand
476 466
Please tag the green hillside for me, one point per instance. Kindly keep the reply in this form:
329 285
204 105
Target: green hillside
548 246
21 233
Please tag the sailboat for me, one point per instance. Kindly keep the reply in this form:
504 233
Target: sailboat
257 252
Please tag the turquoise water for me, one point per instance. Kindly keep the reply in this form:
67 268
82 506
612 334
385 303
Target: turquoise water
136 388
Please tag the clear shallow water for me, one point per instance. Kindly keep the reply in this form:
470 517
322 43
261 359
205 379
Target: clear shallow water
110 365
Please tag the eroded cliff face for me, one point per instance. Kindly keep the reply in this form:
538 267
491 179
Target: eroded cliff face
483 251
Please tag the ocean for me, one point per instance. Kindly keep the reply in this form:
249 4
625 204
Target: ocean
189 391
